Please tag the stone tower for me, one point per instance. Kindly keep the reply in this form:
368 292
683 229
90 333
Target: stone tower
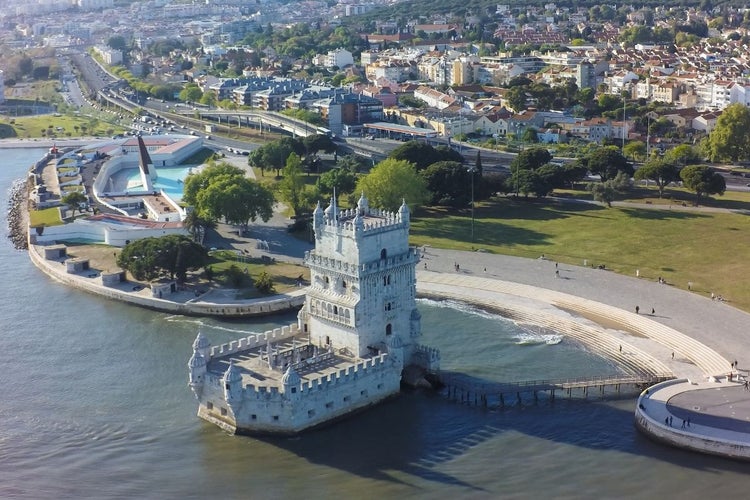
362 295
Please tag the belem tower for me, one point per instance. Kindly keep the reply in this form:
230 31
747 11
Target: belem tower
354 340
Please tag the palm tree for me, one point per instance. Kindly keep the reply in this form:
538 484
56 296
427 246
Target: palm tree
197 225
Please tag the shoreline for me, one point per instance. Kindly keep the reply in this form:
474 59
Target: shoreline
519 296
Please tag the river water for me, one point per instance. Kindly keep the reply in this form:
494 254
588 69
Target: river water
95 405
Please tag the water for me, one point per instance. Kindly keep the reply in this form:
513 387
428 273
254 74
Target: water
95 405
169 180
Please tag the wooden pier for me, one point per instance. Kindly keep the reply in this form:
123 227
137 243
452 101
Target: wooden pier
478 392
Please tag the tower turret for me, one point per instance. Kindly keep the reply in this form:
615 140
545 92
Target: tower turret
196 372
201 344
291 381
395 349
330 211
232 381
404 212
318 219
363 206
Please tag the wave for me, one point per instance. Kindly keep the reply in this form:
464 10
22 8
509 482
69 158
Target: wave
529 338
463 307
203 325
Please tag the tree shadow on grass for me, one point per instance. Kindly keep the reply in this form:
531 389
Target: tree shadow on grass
646 214
486 232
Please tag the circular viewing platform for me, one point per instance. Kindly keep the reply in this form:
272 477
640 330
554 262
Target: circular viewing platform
710 417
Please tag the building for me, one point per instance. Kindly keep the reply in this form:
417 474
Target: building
339 58
355 336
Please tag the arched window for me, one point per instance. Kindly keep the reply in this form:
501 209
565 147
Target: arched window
335 310
383 254
389 279
388 329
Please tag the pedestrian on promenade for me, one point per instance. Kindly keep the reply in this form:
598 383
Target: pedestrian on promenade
672 354
620 348
557 274
637 309
670 420
653 311
683 423
688 422
637 273
690 285
666 421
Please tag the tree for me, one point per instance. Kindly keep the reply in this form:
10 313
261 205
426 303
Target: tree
702 180
552 176
292 184
526 182
607 161
660 171
352 163
449 183
606 191
25 66
195 182
264 284
530 135
343 180
74 200
730 139
172 255
191 93
274 154
684 154
197 225
422 155
390 182
117 42
530 159
635 150
222 191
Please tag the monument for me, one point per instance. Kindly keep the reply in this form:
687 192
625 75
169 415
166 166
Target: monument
355 341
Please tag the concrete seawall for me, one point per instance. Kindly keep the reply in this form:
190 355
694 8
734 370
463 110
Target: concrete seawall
193 307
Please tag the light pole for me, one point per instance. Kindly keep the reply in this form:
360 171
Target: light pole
471 171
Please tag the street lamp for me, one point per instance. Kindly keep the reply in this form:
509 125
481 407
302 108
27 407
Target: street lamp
471 171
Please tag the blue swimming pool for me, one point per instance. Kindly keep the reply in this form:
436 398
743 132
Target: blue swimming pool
169 180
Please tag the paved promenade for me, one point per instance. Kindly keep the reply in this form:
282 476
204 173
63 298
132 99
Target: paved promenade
697 338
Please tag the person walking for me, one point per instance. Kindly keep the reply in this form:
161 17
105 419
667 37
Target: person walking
637 309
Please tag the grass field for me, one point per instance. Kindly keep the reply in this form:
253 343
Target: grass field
284 275
46 217
707 249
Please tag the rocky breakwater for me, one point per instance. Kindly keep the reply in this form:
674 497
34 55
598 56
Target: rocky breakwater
17 214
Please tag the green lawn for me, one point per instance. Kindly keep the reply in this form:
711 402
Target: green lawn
705 248
283 274
46 217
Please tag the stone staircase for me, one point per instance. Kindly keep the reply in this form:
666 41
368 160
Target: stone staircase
489 293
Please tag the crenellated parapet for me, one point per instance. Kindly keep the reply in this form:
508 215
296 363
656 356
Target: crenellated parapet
254 340
426 357
314 386
412 256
